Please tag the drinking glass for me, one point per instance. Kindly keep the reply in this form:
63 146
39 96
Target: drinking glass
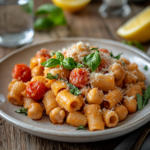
16 22
112 8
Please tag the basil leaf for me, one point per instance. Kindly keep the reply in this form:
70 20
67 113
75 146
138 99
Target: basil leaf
22 111
146 68
50 76
78 65
59 55
81 128
73 89
53 53
138 45
93 49
54 17
43 23
46 9
139 101
92 60
134 43
53 62
69 63
116 57
146 94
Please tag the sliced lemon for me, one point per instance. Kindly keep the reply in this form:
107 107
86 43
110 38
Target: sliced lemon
137 28
71 5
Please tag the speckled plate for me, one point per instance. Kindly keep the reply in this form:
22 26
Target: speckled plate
64 132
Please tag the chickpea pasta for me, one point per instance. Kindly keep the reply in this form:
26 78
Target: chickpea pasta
80 85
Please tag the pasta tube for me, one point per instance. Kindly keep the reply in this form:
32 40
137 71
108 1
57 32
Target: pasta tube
110 118
113 98
49 101
68 101
103 82
94 116
58 85
76 119
14 95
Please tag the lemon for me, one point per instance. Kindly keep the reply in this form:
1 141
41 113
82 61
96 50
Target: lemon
71 5
137 28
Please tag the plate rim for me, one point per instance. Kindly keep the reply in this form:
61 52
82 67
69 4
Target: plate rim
25 126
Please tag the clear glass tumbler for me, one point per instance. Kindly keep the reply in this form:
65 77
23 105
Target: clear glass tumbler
16 22
112 8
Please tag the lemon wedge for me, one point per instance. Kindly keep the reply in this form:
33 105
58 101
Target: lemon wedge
71 5
137 28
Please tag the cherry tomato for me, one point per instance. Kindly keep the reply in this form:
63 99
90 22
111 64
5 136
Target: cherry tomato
36 90
104 51
21 72
43 53
79 77
104 64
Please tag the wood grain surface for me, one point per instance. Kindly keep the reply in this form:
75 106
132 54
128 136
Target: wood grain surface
87 23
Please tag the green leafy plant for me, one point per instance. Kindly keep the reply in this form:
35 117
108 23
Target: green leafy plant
22 111
67 63
92 60
116 57
49 16
146 68
134 43
50 76
73 89
143 100
81 128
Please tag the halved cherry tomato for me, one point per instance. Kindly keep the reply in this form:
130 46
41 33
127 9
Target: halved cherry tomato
104 64
79 77
36 90
104 51
21 72
43 53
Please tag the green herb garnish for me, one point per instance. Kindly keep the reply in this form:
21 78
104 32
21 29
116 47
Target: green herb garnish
59 56
67 63
92 60
116 57
22 111
50 16
146 68
94 48
134 43
73 89
53 53
50 76
81 128
53 62
143 101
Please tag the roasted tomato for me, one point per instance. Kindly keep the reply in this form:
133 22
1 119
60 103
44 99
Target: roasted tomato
79 77
36 90
104 51
21 72
104 64
43 53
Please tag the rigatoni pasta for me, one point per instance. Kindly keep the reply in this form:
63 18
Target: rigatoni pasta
84 87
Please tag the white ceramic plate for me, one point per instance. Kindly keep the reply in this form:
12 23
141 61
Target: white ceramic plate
43 127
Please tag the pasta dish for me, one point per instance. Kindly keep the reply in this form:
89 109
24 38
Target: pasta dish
86 87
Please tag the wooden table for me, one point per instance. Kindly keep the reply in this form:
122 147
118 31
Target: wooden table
87 23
